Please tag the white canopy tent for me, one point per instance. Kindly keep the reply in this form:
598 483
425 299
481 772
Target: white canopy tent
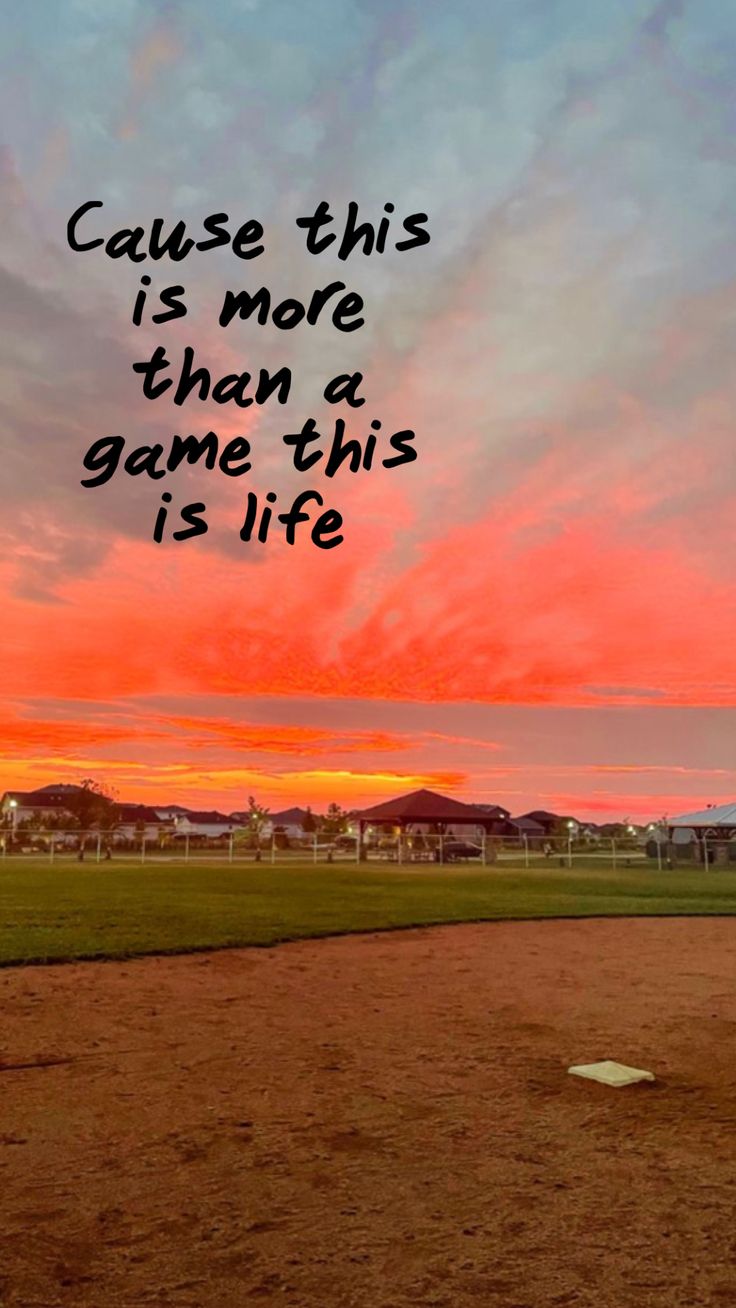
708 833
718 815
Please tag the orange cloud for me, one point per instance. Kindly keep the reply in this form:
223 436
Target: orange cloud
202 733
23 735
583 622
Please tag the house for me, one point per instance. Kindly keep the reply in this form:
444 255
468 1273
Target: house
209 824
591 832
169 812
498 818
525 829
19 806
136 821
554 824
616 831
290 821
550 822
495 812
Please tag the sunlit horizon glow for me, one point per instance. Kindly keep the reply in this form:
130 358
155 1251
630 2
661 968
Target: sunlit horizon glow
541 610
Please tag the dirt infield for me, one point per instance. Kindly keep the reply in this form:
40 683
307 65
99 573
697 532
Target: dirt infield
379 1121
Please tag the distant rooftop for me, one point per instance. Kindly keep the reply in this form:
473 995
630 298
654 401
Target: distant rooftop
288 817
210 816
58 788
527 826
128 813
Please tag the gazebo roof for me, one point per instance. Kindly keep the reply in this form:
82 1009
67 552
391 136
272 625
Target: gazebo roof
425 806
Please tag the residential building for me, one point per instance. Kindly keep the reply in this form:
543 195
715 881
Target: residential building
19 806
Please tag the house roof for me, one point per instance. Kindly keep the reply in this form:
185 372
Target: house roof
135 813
49 797
58 788
527 826
288 817
541 815
209 816
720 815
425 806
494 811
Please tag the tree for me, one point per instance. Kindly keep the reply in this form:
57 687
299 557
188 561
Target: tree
309 822
255 821
562 833
335 821
35 822
56 822
90 806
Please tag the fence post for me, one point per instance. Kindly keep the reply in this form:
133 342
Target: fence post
569 850
442 850
51 849
273 849
230 849
99 846
314 851
705 852
613 852
526 851
186 847
399 850
143 849
483 848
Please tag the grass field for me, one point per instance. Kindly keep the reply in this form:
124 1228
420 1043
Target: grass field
117 909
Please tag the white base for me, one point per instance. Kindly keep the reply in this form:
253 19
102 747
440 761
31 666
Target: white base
611 1073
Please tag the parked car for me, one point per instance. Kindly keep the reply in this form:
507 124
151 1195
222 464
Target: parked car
454 850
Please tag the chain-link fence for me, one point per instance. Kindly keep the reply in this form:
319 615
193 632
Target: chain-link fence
408 850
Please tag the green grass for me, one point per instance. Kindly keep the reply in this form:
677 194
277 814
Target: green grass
119 909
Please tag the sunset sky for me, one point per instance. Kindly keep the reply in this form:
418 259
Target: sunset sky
540 610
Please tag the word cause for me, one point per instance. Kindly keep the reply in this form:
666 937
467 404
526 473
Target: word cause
182 375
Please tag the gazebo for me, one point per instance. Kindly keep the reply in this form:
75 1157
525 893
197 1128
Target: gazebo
425 807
